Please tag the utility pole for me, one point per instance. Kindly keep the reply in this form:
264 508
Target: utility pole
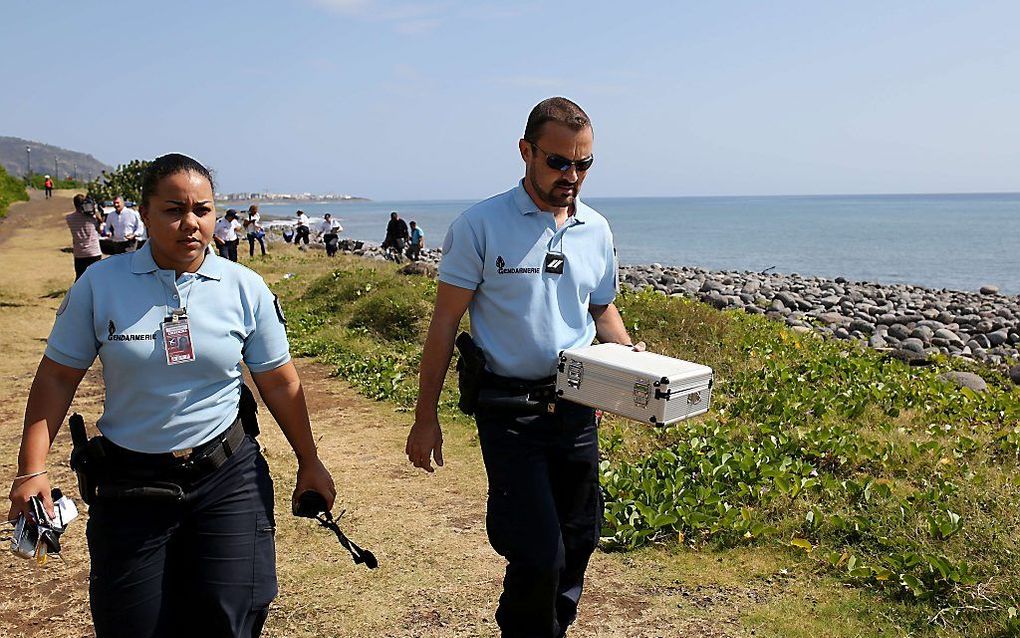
76 171
56 173
28 154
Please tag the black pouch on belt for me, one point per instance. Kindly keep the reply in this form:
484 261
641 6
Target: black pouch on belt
470 370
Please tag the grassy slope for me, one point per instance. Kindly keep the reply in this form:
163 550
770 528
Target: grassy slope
12 190
820 461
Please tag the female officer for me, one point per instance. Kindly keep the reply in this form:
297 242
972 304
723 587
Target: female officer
181 532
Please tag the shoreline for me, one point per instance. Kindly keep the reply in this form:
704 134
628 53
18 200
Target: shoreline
909 322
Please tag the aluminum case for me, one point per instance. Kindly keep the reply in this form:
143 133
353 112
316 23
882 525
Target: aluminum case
643 386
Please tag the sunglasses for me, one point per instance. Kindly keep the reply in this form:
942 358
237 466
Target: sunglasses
562 164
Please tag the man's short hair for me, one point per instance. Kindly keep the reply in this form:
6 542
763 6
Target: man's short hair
555 109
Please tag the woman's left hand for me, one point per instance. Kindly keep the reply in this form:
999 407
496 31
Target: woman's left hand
313 475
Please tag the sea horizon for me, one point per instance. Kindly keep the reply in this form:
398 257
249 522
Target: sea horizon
958 241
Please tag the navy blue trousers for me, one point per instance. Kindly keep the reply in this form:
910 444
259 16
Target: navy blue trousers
544 513
202 567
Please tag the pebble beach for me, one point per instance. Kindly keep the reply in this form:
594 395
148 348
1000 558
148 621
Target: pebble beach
910 323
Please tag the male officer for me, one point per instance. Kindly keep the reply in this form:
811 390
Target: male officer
537 271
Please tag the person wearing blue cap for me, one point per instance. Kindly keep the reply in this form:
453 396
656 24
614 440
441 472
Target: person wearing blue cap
536 269
181 524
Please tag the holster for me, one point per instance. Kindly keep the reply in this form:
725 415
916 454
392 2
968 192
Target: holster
470 370
87 459
247 411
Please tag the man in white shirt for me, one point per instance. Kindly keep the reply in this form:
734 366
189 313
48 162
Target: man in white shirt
225 235
329 232
125 225
302 228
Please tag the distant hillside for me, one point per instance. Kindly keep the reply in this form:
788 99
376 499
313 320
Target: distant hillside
15 160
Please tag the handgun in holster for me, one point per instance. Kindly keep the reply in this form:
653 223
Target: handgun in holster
247 411
87 458
470 371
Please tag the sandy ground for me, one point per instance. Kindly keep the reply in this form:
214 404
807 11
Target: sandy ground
438 576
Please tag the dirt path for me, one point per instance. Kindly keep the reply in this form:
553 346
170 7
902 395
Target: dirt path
438 576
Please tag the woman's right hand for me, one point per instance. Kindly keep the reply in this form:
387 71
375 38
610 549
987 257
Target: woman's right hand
25 489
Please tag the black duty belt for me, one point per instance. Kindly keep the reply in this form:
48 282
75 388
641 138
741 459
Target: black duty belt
190 464
518 396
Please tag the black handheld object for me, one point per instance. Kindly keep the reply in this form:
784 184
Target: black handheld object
470 369
82 461
311 504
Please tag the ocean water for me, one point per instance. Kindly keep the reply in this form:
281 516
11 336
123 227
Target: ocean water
960 242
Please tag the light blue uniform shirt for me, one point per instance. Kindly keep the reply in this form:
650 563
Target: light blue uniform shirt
116 311
522 316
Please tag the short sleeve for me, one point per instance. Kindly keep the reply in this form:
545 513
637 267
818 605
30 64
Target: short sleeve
72 340
605 291
266 347
463 257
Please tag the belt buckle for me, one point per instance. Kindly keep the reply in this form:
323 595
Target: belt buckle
183 454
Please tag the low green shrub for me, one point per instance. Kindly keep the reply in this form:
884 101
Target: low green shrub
884 475
12 190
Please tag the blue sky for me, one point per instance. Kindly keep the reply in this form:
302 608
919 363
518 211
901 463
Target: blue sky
422 100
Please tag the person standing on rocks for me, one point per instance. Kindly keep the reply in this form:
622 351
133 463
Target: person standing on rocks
417 242
329 232
254 231
84 224
396 235
537 271
302 229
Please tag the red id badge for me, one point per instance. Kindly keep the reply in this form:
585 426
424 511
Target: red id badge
177 341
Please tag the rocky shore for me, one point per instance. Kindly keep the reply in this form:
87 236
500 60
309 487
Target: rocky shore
908 322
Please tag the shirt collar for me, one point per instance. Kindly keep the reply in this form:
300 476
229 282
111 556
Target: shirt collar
527 206
142 262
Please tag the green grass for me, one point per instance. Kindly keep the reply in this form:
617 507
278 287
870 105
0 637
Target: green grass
895 493
12 190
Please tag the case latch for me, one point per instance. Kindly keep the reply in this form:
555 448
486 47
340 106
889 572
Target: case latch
575 374
642 393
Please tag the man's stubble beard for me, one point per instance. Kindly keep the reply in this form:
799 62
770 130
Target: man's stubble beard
549 199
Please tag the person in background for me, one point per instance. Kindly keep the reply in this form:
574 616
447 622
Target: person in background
123 224
254 231
48 185
396 235
537 270
288 234
302 229
417 243
329 233
84 223
181 528
225 235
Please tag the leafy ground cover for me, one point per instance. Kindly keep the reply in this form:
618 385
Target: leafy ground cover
12 190
884 477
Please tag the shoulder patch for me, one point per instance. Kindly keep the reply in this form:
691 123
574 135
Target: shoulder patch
279 310
63 303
